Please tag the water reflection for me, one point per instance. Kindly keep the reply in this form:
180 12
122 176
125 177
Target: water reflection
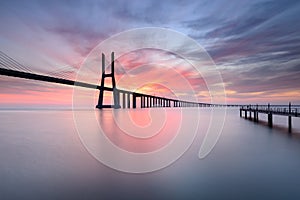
121 128
43 158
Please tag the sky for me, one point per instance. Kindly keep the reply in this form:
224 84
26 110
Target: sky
255 46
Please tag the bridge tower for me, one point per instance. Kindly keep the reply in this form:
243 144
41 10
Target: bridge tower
116 94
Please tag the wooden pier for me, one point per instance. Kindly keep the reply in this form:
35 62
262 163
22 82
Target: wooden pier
251 112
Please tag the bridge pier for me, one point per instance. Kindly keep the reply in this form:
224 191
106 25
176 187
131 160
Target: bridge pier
147 102
142 102
116 95
133 101
290 118
123 100
128 100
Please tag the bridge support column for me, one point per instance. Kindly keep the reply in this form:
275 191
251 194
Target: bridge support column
128 100
246 113
240 112
141 101
123 100
151 102
133 101
116 95
250 115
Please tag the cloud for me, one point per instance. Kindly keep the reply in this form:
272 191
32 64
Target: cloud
255 44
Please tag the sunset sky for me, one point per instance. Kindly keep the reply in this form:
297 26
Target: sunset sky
254 44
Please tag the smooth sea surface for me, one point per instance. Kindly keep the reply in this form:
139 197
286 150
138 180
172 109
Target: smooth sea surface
42 157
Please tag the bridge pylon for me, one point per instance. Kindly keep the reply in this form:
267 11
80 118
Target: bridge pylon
116 95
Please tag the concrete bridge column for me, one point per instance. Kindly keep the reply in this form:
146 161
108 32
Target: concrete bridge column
123 100
133 101
141 101
116 95
147 99
128 100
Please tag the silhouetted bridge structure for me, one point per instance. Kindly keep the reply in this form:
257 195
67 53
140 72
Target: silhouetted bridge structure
11 67
251 112
146 100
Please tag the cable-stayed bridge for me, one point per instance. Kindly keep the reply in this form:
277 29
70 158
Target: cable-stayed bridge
10 67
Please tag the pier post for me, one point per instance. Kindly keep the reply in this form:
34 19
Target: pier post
290 118
246 117
290 123
256 113
270 119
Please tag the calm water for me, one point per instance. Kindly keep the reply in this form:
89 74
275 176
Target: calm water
42 157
